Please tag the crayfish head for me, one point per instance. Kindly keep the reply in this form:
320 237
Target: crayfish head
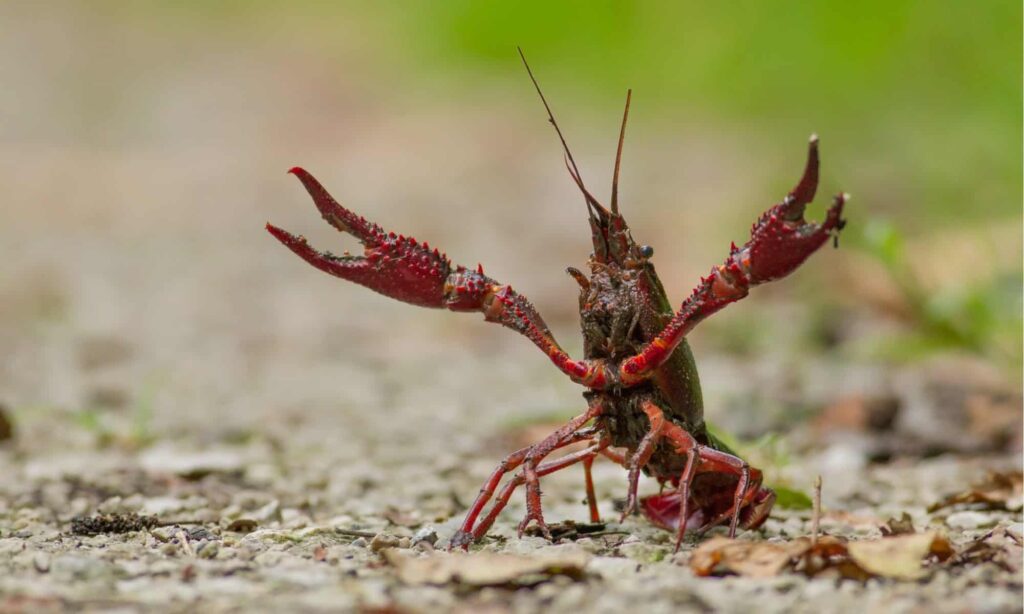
614 244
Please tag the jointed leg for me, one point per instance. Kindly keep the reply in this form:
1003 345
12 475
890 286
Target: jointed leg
643 454
595 516
509 463
520 478
616 457
531 455
536 454
708 459
684 496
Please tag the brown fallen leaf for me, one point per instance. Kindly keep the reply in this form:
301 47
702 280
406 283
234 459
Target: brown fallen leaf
998 491
482 568
721 555
903 525
901 557
998 546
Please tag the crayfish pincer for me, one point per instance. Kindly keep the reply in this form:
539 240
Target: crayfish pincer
644 408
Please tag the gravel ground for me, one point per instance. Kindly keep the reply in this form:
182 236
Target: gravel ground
304 502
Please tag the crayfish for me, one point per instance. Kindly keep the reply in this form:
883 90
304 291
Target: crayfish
644 407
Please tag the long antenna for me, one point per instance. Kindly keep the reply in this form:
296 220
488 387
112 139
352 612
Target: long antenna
592 202
618 155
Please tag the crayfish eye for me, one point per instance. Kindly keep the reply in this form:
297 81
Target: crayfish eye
646 251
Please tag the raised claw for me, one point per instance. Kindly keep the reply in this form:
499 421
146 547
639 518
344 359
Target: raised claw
393 265
782 239
409 271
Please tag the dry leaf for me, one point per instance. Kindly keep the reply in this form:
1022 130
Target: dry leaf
903 525
482 568
900 557
998 491
721 555
999 546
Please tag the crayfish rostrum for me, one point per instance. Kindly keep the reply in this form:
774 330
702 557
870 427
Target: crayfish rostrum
644 407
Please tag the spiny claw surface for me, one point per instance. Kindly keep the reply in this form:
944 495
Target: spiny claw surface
782 239
393 265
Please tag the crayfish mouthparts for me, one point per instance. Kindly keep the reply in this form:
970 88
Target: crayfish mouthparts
643 392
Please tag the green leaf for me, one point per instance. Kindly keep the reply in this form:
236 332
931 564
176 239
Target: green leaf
790 499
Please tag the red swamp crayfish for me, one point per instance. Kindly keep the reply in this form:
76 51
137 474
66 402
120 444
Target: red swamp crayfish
644 406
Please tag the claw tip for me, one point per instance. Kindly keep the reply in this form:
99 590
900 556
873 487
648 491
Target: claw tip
814 138
279 234
295 170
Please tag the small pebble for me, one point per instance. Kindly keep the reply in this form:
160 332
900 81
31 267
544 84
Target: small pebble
269 512
164 534
41 562
969 520
426 534
208 550
110 506
383 540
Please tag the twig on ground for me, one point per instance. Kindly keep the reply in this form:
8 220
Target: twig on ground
816 519
354 533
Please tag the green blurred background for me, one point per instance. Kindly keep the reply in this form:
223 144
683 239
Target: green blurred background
923 97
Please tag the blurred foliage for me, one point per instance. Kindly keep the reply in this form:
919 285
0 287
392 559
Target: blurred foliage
933 88
791 499
983 317
918 102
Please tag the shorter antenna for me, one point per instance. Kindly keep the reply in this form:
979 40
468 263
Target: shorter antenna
618 154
